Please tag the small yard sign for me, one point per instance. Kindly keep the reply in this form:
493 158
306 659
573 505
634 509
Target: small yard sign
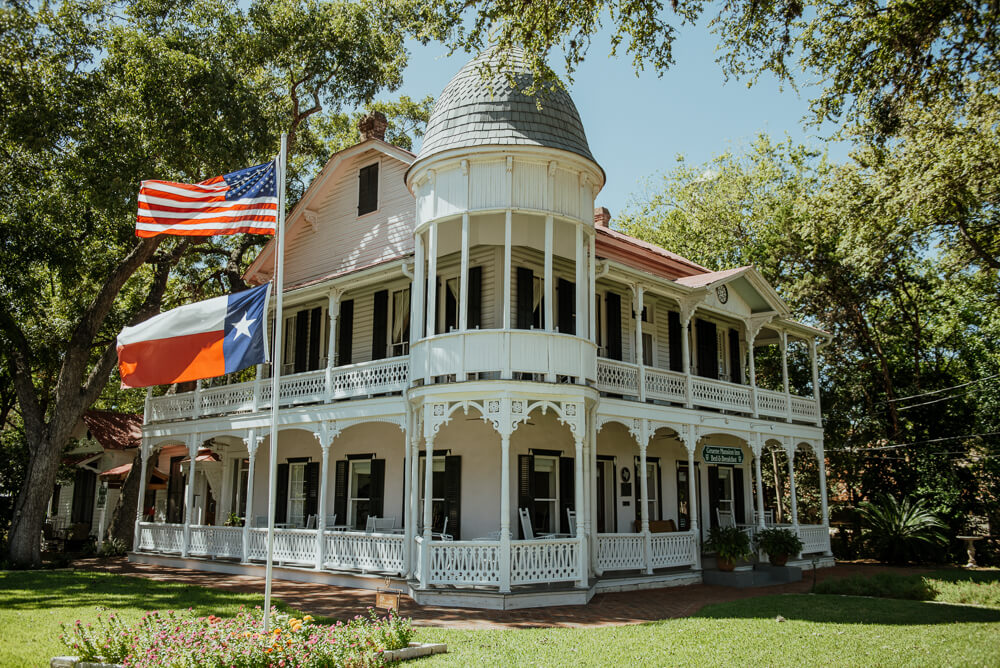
721 454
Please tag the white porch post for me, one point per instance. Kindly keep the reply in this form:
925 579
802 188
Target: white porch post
581 511
757 448
463 278
189 493
425 559
815 377
752 370
507 261
407 487
686 315
592 528
824 508
332 313
783 342
547 278
417 291
644 436
413 454
252 441
691 443
325 437
592 291
144 452
581 281
794 503
638 295
431 327
505 510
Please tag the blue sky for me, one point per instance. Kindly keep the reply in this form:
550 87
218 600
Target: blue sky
636 126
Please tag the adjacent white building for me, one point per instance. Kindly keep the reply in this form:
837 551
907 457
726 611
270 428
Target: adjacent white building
586 401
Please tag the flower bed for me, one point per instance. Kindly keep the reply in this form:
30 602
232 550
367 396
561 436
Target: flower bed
182 639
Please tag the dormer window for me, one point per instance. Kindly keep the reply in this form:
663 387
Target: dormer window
368 189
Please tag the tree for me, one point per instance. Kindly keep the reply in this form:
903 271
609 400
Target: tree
97 95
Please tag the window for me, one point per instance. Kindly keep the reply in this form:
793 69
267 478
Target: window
438 506
305 341
599 321
297 494
545 518
546 487
683 498
647 349
241 473
368 189
360 493
652 490
400 334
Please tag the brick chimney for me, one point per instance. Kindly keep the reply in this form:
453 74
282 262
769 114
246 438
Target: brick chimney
602 217
373 125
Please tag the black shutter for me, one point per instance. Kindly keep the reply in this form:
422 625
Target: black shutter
676 345
475 300
567 306
367 189
567 491
525 487
340 493
376 506
55 499
659 490
379 324
708 350
315 326
525 297
739 504
613 302
453 494
713 495
735 358
450 310
83 497
312 488
300 355
346 335
281 500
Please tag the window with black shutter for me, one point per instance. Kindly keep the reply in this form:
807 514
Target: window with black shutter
312 488
340 492
377 504
525 298
708 349
735 357
345 326
676 345
525 486
308 326
281 495
613 301
453 494
84 484
567 492
380 320
567 306
475 300
367 189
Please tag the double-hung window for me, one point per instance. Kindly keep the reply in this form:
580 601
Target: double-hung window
400 322
297 494
241 473
359 492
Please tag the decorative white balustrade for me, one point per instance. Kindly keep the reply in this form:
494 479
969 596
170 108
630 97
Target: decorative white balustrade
212 541
540 561
155 537
620 552
815 538
674 549
369 378
348 550
464 563
614 377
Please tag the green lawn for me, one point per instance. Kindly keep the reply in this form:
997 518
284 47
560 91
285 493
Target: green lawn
820 629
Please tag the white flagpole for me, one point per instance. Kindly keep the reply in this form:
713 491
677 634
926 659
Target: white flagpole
279 283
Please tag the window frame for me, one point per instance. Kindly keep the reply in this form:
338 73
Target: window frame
352 500
378 188
293 499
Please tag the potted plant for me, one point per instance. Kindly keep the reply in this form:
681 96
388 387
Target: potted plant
779 544
234 520
730 545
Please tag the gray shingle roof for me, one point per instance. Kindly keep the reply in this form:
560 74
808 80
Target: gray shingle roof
473 111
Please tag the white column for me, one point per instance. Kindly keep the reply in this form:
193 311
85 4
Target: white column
413 452
407 489
758 450
189 493
752 371
144 452
592 485
592 291
251 441
432 279
691 443
581 284
417 288
504 511
581 512
547 279
686 357
325 439
638 295
332 313
507 269
790 451
425 559
824 508
815 374
463 279
644 494
783 339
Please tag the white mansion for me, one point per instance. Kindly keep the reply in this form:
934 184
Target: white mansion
488 394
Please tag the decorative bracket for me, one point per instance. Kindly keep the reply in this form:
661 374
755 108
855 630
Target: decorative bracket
311 217
755 323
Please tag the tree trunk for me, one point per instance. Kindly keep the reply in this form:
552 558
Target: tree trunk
779 507
122 524
24 541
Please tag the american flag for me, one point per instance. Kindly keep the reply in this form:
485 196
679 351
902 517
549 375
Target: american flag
242 201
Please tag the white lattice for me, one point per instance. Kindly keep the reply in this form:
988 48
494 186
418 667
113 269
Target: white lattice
227 399
154 537
617 377
346 550
211 541
815 538
257 544
620 551
667 385
465 563
804 408
377 377
673 549
538 561
295 545
771 403
719 394
172 406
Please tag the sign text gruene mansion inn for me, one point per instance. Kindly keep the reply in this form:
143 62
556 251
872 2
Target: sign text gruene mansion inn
488 393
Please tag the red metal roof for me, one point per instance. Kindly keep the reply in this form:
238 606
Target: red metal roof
114 431
614 245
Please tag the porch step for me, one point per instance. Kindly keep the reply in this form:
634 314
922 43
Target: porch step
761 575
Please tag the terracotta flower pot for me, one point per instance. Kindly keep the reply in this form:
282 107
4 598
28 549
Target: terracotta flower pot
724 564
777 559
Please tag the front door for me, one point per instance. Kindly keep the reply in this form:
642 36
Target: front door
725 493
606 516
175 491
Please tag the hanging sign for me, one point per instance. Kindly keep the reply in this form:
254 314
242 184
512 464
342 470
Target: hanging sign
102 496
721 454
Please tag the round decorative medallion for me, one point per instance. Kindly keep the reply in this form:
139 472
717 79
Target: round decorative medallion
722 292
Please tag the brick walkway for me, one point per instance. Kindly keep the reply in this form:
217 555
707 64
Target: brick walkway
603 610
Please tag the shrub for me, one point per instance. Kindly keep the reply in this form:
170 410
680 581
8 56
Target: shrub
114 547
181 639
881 585
778 542
729 543
901 531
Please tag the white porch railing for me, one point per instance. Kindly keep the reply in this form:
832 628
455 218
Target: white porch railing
620 552
540 561
349 550
674 549
355 380
212 541
464 563
154 537
814 537
623 378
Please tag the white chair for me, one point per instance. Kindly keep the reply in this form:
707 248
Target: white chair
768 517
571 518
370 524
529 533
384 524
725 518
260 521
311 522
490 537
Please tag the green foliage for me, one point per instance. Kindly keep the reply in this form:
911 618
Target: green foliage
778 542
946 586
881 585
902 531
113 547
729 543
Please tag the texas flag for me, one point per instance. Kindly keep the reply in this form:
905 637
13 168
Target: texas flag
201 340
